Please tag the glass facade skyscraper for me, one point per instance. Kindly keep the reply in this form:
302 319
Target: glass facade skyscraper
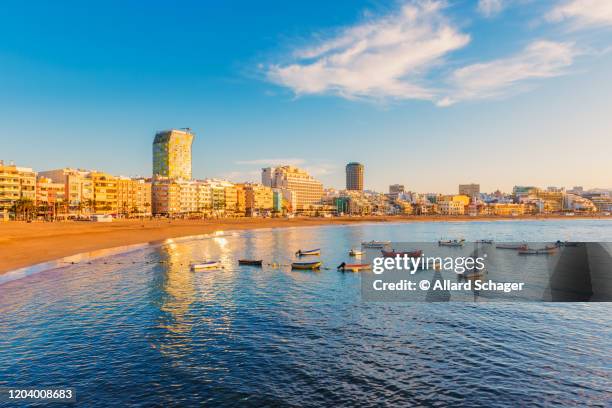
172 154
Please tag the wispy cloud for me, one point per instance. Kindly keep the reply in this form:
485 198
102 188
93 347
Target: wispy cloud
583 13
490 8
271 162
541 59
387 57
408 55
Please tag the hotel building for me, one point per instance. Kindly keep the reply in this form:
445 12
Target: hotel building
104 193
354 176
470 190
259 199
308 190
49 193
165 196
172 154
77 183
16 183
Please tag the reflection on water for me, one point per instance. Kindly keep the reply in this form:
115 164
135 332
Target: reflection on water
141 328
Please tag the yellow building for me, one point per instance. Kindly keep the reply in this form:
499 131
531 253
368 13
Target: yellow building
172 154
133 196
507 209
259 199
240 199
405 207
453 205
308 190
104 193
16 183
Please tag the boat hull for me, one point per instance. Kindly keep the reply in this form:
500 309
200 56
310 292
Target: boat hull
409 254
250 262
356 267
205 266
309 252
305 265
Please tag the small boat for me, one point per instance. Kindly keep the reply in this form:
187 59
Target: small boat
253 262
484 241
309 252
410 254
451 242
375 244
306 265
511 246
355 252
205 265
539 251
354 267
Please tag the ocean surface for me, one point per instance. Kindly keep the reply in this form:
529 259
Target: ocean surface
141 329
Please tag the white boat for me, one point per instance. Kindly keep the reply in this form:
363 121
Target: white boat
205 265
375 244
355 252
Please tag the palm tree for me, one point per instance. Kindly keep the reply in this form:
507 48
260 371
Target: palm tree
23 209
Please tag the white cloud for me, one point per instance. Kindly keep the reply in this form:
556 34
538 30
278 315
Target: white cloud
541 59
490 8
272 162
388 57
583 13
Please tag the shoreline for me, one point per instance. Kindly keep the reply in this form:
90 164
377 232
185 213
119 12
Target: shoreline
27 244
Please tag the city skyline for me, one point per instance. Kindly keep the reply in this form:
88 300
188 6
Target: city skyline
66 104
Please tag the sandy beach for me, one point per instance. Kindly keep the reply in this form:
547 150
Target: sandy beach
23 244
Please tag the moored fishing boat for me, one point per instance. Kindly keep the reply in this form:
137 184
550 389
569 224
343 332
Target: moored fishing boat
451 242
306 265
252 262
355 252
308 252
410 254
354 267
196 266
375 244
511 246
537 251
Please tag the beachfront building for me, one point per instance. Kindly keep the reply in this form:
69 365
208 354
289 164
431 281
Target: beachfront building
17 186
453 205
165 193
259 199
354 176
104 193
507 209
450 207
240 199
172 154
78 187
471 190
574 202
601 201
49 193
133 196
308 190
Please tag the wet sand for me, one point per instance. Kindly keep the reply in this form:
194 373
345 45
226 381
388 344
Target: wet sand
23 244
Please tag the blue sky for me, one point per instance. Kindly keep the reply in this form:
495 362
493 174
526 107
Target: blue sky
425 93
